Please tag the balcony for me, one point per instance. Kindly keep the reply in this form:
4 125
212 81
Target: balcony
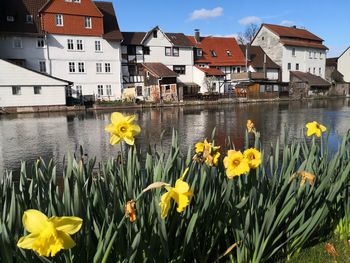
133 79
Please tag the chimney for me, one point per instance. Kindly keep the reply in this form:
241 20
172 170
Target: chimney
294 26
197 35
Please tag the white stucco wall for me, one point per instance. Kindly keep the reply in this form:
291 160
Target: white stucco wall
60 57
344 65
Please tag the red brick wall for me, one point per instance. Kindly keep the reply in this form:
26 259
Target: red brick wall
72 25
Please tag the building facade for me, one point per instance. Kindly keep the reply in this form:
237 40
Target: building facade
293 49
344 64
77 40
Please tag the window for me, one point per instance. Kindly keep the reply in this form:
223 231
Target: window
320 55
109 90
167 88
42 66
100 90
310 54
309 70
79 90
175 51
107 67
87 22
10 18
228 52
289 66
76 1
293 52
98 45
16 90
81 67
297 66
71 67
319 71
180 70
40 42
314 54
262 38
168 51
199 52
37 90
98 67
29 19
213 53
59 20
139 91
17 42
155 34
146 50
80 44
314 71
70 44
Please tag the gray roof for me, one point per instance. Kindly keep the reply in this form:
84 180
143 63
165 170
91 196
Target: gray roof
310 79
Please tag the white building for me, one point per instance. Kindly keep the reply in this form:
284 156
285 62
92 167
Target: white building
74 40
293 49
21 87
344 64
174 50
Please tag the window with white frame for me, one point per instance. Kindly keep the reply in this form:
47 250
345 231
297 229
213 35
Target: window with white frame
37 90
79 90
168 51
310 54
71 67
17 42
314 54
98 67
59 20
109 90
100 90
107 67
175 51
314 71
80 44
70 44
293 52
16 90
98 45
87 22
297 66
40 42
289 66
42 66
320 55
29 19
76 1
81 67
199 52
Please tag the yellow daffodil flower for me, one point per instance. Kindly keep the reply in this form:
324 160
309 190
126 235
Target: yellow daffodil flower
122 128
235 164
253 156
48 235
207 153
315 128
181 194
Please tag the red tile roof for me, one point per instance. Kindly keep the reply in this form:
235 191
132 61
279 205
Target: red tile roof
84 8
303 44
292 32
212 71
221 46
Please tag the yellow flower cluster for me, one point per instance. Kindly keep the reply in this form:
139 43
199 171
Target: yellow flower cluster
206 152
238 163
315 128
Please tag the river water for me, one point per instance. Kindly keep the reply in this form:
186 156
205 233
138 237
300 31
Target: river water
52 135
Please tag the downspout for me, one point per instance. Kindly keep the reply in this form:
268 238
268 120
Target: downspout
48 54
160 90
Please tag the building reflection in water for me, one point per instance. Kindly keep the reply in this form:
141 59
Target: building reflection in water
52 135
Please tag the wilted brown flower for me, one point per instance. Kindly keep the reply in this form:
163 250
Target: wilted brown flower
305 177
330 249
130 210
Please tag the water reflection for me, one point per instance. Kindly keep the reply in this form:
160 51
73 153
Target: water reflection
27 136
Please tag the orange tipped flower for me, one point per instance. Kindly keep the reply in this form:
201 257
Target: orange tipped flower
206 152
315 128
130 210
250 126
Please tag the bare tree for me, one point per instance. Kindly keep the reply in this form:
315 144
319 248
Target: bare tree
210 83
248 35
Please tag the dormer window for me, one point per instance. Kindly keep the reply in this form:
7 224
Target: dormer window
10 18
199 52
228 52
155 34
213 53
87 22
76 1
29 19
59 20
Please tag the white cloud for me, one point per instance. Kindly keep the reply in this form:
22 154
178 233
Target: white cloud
206 13
229 35
287 23
250 20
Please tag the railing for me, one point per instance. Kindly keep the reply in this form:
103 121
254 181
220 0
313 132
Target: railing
133 79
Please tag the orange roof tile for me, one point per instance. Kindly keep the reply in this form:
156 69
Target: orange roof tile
222 47
212 71
292 32
303 44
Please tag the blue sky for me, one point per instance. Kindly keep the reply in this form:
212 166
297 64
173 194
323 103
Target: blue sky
329 20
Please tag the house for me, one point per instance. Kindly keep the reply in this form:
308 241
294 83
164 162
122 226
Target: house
344 64
160 82
78 40
173 50
259 61
209 79
220 53
22 88
305 84
293 49
339 86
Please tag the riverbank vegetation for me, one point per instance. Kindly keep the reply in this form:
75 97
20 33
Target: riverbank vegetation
213 203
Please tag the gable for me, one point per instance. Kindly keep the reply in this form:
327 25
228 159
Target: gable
161 40
84 8
345 54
